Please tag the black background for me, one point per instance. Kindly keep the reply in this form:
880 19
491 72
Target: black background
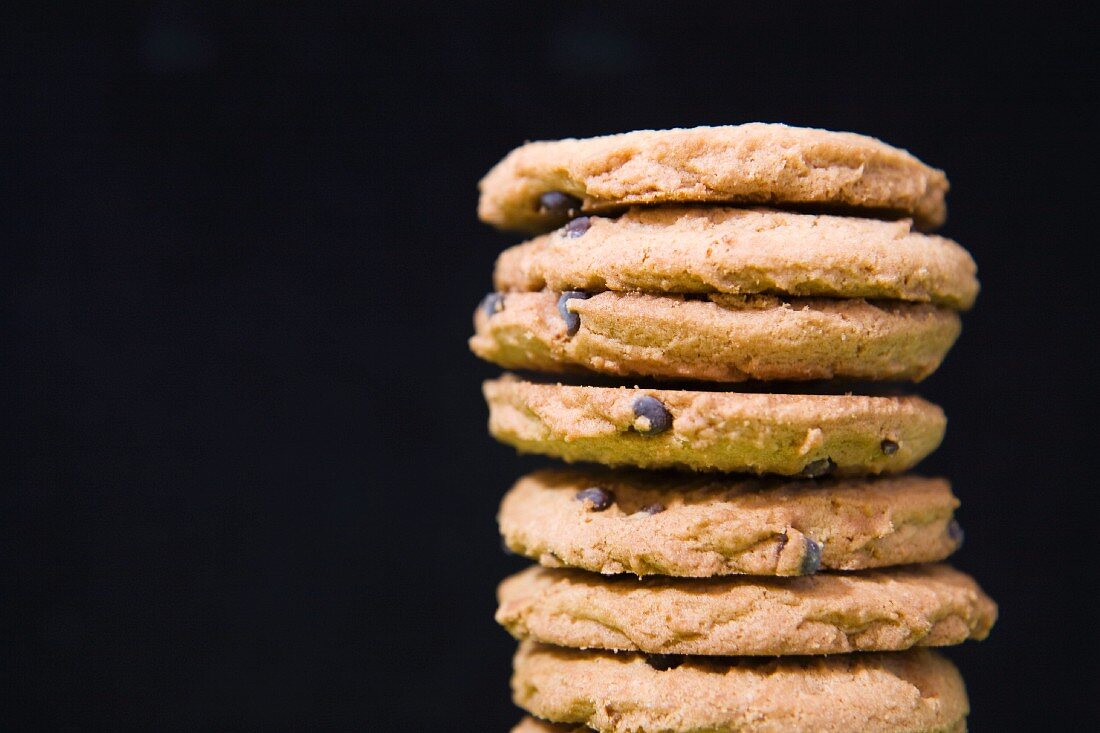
252 489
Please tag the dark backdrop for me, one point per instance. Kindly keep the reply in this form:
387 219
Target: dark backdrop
252 488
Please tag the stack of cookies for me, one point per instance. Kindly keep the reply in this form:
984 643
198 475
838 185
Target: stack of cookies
706 327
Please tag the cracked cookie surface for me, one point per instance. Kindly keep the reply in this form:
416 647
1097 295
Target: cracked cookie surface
725 338
915 691
701 525
785 434
755 163
534 725
695 249
875 610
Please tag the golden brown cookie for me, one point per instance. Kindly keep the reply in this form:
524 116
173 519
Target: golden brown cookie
537 186
828 613
534 725
811 435
916 691
693 249
699 526
726 338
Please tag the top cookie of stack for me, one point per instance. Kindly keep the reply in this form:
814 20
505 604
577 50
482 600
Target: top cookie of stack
682 291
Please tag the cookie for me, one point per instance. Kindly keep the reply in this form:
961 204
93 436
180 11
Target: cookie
538 186
811 435
915 691
682 249
874 610
716 337
703 525
534 725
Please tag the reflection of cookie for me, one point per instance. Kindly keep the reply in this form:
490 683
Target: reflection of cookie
875 610
534 725
812 435
702 525
723 250
537 185
718 338
913 691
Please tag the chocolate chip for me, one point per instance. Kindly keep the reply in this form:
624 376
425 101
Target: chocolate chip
889 447
664 662
654 508
955 532
492 304
651 416
820 467
558 204
595 498
811 561
572 320
577 227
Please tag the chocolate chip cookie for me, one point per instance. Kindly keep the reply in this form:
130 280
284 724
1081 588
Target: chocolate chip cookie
693 249
648 523
715 337
788 434
828 613
914 691
540 185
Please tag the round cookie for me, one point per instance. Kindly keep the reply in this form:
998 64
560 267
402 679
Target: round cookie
539 185
534 725
728 338
915 691
875 610
701 526
682 249
811 435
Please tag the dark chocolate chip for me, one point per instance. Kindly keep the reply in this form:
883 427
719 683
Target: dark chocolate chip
651 416
955 532
664 662
654 508
820 467
572 320
811 561
889 447
595 498
577 227
558 204
492 304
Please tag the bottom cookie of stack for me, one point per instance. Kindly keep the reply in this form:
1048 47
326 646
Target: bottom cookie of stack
534 725
916 691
